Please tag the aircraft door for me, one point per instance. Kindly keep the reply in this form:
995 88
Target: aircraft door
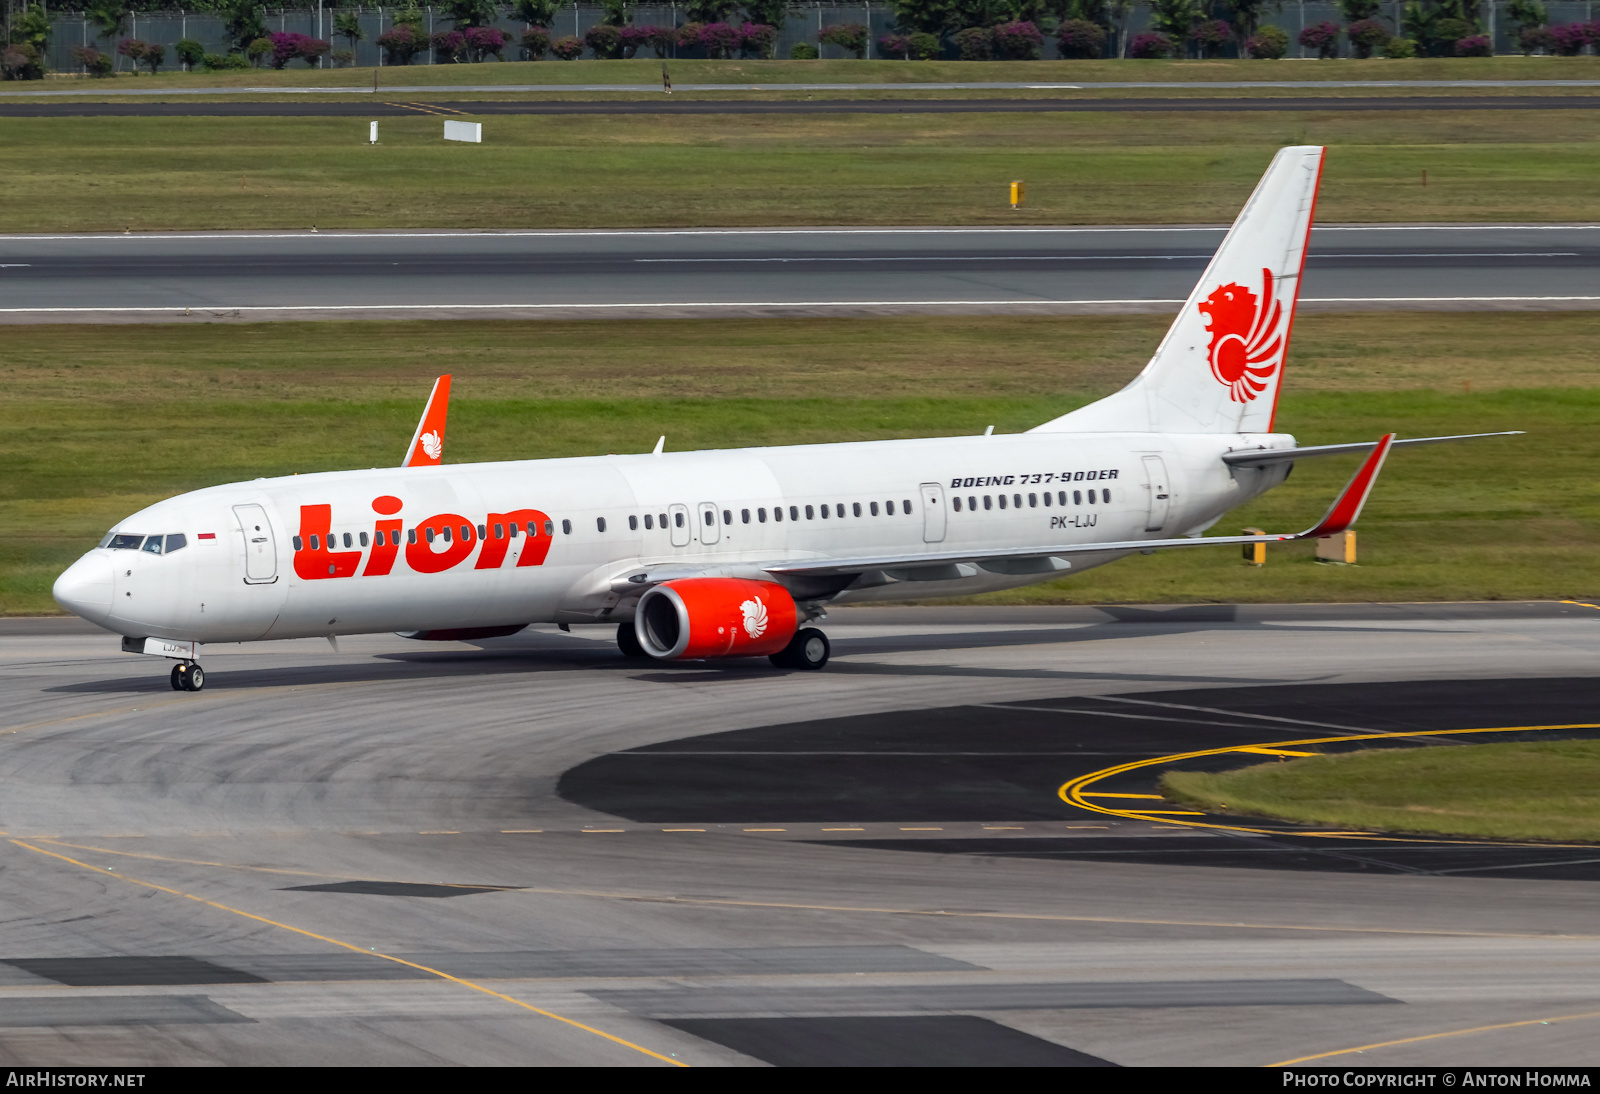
1160 491
932 512
679 516
260 548
710 530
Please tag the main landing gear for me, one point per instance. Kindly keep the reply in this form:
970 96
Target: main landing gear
188 676
808 649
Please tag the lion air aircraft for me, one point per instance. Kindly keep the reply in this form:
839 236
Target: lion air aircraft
733 553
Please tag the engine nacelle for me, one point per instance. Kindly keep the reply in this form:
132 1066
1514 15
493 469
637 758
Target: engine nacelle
699 617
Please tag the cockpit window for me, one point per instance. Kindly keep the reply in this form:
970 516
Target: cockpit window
177 542
152 545
124 542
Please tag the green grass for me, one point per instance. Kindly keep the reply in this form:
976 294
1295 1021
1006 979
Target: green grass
1520 790
108 419
89 174
648 72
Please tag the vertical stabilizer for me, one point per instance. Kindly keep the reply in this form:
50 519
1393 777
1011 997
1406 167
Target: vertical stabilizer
1220 367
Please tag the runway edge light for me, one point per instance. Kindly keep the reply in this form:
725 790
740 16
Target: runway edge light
372 134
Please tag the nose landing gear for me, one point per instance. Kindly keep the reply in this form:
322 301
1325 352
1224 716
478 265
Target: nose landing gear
188 676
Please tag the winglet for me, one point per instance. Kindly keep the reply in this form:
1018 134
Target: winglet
1347 506
427 444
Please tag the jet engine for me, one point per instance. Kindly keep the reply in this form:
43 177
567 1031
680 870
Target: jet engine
700 617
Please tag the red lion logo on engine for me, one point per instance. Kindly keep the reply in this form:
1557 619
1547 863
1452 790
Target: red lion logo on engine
1246 337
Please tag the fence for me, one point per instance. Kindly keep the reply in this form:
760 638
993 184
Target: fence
801 25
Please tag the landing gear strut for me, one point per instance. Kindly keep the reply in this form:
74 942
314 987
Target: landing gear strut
808 649
188 676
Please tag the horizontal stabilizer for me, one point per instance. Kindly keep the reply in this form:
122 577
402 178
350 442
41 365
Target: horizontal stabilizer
1259 457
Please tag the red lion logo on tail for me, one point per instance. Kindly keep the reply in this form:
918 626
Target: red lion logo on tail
1246 337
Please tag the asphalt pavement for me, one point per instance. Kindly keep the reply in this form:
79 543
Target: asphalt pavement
531 850
445 274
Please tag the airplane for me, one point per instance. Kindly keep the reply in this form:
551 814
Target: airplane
737 553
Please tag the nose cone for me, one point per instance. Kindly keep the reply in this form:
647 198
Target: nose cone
85 589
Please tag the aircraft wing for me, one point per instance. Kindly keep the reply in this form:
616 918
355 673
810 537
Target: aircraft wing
1343 513
1258 457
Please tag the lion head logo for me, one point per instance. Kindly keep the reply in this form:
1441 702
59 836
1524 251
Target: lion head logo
755 617
432 444
1246 337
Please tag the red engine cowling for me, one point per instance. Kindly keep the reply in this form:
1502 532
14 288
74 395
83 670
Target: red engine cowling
715 617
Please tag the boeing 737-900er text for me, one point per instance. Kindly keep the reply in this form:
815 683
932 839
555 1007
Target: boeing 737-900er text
734 553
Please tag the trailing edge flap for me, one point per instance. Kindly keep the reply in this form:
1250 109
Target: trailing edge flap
1259 457
427 443
1343 513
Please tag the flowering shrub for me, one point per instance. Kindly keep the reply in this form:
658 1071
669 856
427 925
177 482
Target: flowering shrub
895 45
720 40
1081 38
925 46
1366 35
851 37
1018 40
1151 45
1268 44
1535 39
758 40
133 49
1210 35
689 35
568 48
399 44
631 39
20 61
486 42
449 46
1570 39
661 39
605 40
286 47
1398 49
975 43
1322 37
1476 45
91 60
535 43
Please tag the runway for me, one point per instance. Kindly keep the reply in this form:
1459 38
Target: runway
221 276
382 108
532 851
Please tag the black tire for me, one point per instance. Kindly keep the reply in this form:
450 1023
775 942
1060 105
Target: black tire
628 641
808 649
197 677
177 678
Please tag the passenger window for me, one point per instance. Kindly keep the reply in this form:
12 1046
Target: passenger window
483 533
1091 497
794 512
888 507
1002 501
378 539
956 504
727 516
348 541
566 527
1062 497
873 508
363 539
809 514
649 522
1047 499
466 534
299 545
316 543
777 514
677 518
1033 501
411 535
744 516
761 515
549 527
905 506
1077 497
709 516
600 523
1017 500
446 533
663 519
824 512
500 531
429 534
988 503
839 509
1105 497
855 508
972 503
633 523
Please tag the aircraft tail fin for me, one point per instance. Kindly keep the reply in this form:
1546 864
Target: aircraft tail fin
1220 367
427 443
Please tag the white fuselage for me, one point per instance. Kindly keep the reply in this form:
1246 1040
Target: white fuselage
248 569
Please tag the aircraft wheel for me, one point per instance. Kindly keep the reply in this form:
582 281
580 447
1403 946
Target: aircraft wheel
808 649
196 677
628 641
177 678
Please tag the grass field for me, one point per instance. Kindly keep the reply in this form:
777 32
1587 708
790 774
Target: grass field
86 174
648 72
106 420
1520 790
